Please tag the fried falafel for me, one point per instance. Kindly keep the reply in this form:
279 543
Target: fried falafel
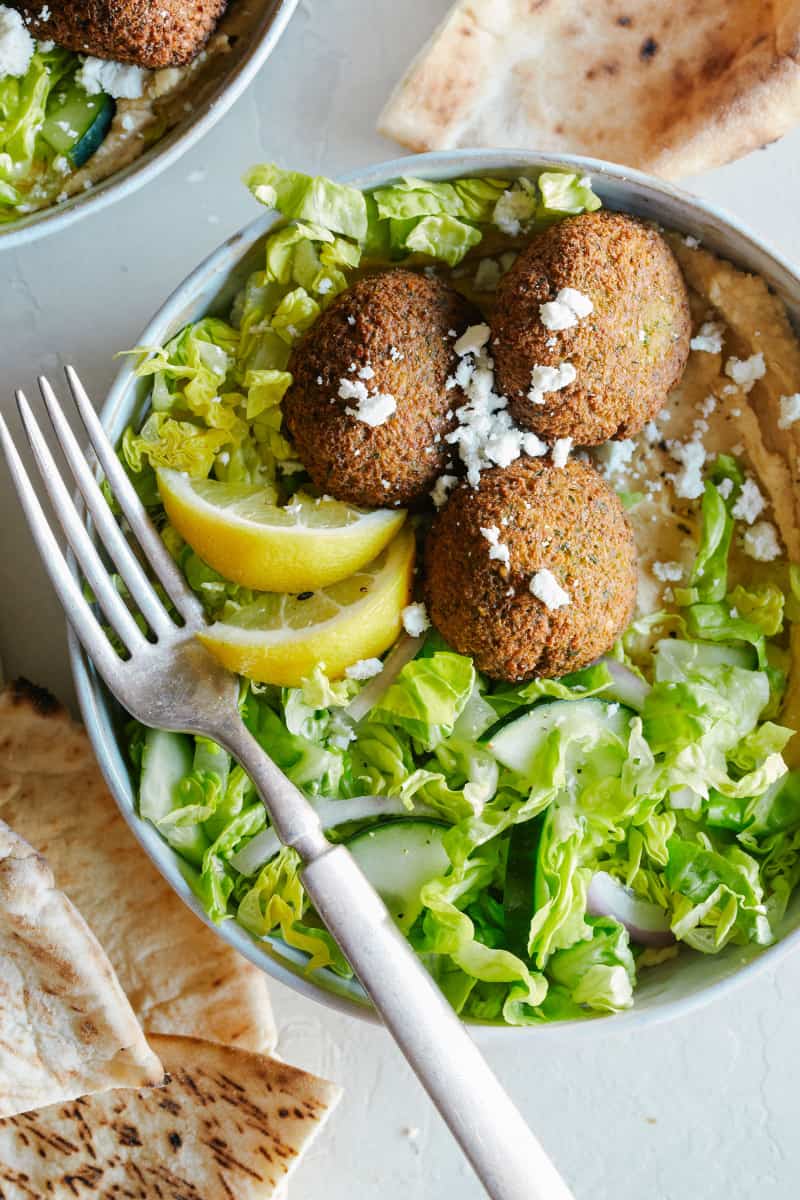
369 407
531 530
627 352
148 33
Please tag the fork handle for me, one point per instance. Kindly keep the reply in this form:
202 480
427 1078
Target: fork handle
504 1153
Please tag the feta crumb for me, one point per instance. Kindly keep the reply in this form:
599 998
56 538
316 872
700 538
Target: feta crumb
512 209
790 411
668 572
366 372
16 44
691 242
569 307
761 542
325 285
615 457
395 355
750 503
472 339
725 487
692 457
120 80
709 338
365 668
707 407
497 549
442 489
373 408
351 320
561 449
745 371
545 587
550 379
415 619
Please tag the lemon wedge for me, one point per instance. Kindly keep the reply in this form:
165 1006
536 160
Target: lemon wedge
308 544
281 638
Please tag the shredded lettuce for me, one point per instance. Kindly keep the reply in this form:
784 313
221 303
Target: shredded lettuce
687 801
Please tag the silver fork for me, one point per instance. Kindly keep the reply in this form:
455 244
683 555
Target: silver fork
172 682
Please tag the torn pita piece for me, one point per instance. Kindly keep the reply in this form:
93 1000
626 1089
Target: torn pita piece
227 1124
179 976
66 1027
673 89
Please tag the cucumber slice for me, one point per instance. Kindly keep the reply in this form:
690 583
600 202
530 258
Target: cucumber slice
517 744
519 902
398 859
76 123
166 758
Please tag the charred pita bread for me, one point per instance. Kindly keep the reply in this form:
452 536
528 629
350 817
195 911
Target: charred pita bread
66 1027
670 88
179 977
226 1124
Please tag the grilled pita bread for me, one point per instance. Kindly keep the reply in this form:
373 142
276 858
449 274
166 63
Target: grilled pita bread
671 88
179 977
66 1027
226 1124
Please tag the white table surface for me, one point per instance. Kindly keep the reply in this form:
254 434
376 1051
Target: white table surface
704 1107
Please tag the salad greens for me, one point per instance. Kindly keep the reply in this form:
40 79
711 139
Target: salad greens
660 769
49 127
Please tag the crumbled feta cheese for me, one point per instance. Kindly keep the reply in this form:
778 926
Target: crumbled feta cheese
545 587
569 307
691 242
709 338
750 503
472 339
373 408
120 80
485 435
615 457
366 372
497 549
325 285
652 433
790 411
442 489
761 542
365 668
395 355
745 371
415 619
668 572
512 210
487 275
725 487
692 457
561 449
44 13
550 379
16 44
706 407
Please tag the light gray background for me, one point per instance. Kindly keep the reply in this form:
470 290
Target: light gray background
705 1107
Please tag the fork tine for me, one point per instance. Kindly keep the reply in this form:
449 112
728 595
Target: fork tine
143 528
109 599
110 533
78 612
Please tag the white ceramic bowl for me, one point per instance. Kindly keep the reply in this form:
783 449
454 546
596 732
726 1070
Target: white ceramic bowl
262 23
664 992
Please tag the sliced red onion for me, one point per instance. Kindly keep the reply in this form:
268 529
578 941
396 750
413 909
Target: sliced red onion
401 653
645 922
265 845
628 687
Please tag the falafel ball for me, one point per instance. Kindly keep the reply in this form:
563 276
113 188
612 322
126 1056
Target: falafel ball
627 352
369 407
531 530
